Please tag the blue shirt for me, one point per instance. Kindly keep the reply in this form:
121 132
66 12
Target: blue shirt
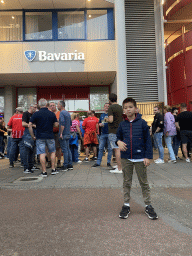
65 120
44 120
104 130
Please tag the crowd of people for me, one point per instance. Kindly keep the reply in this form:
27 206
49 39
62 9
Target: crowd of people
49 132
176 129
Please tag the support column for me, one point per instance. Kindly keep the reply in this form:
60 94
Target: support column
9 102
121 50
161 69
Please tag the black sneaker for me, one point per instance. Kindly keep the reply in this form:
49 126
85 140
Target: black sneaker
70 167
28 171
95 165
86 160
59 164
149 210
92 158
35 168
95 158
64 169
11 165
110 166
53 172
124 212
43 174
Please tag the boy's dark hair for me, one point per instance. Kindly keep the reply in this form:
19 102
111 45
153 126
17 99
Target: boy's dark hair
130 100
113 97
157 107
183 105
93 112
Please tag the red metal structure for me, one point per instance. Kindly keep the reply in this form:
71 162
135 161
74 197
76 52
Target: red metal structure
179 64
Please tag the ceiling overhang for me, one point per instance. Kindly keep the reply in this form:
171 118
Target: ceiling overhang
58 79
54 4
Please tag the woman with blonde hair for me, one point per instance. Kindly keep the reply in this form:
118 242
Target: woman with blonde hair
75 130
169 132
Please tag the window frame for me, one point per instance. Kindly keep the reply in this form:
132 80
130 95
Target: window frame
110 24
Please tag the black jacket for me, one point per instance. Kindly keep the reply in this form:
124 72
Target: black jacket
158 122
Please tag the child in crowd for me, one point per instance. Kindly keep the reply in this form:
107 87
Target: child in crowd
133 139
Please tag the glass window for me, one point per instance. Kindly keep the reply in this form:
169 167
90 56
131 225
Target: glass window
26 97
1 100
81 105
71 25
77 105
97 24
98 97
11 26
38 25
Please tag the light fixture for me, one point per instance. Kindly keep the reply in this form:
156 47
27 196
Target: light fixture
13 17
89 15
2 1
89 0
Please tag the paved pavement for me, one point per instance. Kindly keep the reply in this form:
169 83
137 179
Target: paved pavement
84 176
76 212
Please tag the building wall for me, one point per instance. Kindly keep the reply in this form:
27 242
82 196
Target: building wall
99 56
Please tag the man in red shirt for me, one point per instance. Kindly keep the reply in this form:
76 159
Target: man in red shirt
15 124
91 127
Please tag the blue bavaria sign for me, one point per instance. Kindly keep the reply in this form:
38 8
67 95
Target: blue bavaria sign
30 55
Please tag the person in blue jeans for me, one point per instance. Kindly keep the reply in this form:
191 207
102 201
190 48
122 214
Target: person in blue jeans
170 132
64 136
103 140
157 131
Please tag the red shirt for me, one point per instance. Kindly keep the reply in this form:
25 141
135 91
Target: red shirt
15 123
90 123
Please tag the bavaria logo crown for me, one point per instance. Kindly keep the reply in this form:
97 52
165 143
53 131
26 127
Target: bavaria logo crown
30 55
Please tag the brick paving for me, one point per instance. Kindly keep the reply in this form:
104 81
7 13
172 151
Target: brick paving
76 212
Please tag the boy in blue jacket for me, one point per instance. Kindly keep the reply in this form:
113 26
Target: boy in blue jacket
134 141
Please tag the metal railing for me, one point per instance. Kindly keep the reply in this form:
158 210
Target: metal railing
147 108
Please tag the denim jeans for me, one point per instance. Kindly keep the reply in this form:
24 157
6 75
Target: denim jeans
9 139
176 144
28 158
15 144
74 153
168 141
64 143
102 142
158 137
2 144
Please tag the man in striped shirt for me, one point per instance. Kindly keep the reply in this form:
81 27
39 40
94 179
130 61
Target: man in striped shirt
15 124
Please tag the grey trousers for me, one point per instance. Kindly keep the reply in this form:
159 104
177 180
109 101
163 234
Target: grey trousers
141 171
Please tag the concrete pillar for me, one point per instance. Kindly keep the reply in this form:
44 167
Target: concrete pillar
114 86
161 71
121 50
10 102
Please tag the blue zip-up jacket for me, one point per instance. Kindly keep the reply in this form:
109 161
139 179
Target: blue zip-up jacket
137 137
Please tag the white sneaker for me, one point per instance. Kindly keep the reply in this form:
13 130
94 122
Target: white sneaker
172 161
156 160
188 160
160 161
115 166
79 161
116 171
